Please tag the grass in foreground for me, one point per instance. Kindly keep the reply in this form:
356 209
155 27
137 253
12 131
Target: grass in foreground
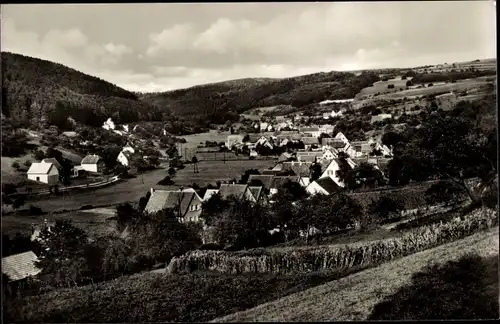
354 297
463 289
154 297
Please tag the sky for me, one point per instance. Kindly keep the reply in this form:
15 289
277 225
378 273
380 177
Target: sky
161 47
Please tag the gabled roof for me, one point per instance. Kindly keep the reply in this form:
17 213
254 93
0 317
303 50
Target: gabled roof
299 168
163 199
333 142
266 179
40 168
328 185
53 161
209 193
279 181
309 129
237 190
306 158
310 140
269 172
20 266
255 191
91 159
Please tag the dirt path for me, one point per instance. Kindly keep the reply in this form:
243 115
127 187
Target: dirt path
354 297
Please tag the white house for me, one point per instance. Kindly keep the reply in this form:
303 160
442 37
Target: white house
233 139
263 127
329 154
109 124
327 129
333 167
380 117
325 186
93 163
124 157
43 172
314 131
341 137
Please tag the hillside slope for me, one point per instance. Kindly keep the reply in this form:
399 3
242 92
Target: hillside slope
37 92
354 297
223 101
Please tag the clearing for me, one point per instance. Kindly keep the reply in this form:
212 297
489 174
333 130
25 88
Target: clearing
354 297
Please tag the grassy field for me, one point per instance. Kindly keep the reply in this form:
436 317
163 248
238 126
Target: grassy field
193 140
381 87
94 222
354 297
211 171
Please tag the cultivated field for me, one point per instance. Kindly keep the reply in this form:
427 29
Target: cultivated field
213 171
381 87
354 297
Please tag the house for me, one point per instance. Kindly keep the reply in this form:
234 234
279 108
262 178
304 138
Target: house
240 191
109 124
78 171
20 266
313 131
209 193
93 163
333 167
264 127
329 154
334 143
362 148
54 162
44 173
309 141
285 157
234 139
325 186
253 153
187 204
341 137
69 134
270 172
124 157
327 129
309 156
301 169
257 193
380 117
265 179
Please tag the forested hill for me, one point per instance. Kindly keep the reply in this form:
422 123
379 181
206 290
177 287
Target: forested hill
225 100
38 93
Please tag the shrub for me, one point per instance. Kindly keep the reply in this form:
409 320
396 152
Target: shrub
16 165
166 181
33 210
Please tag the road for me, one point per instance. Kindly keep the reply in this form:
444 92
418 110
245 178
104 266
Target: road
126 190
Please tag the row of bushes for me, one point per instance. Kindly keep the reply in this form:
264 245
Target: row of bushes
334 257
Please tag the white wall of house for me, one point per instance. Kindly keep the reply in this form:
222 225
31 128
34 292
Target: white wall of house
51 178
96 167
313 188
342 137
123 159
331 171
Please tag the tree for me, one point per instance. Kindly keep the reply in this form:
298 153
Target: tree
16 165
194 160
445 192
391 138
39 155
385 206
212 207
246 175
364 175
316 171
390 86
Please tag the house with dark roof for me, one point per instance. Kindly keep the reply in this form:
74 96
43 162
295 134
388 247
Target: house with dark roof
209 193
257 193
333 167
309 156
309 141
265 179
93 163
313 131
20 266
43 172
301 169
239 191
186 203
325 186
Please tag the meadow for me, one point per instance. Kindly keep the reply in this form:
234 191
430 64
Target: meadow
203 296
355 297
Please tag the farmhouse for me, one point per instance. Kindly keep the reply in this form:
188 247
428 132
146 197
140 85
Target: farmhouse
186 204
20 266
240 191
325 186
44 173
93 163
